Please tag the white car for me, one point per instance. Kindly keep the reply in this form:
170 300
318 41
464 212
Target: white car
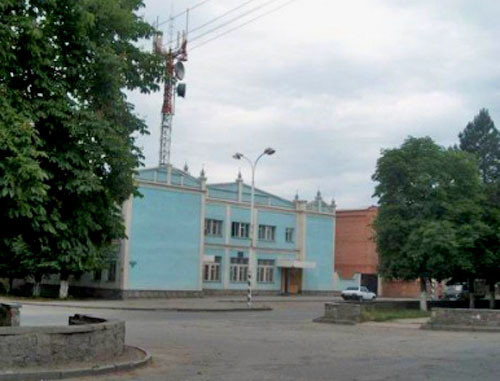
357 293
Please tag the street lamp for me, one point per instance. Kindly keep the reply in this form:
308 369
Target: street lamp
253 164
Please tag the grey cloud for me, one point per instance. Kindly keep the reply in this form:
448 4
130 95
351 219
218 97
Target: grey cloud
330 101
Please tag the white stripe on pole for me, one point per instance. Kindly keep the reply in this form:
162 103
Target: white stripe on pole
249 293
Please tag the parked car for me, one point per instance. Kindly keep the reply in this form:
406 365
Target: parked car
456 292
357 293
460 291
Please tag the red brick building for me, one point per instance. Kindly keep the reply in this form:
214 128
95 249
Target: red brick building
356 258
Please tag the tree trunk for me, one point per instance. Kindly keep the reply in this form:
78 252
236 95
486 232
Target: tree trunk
63 284
63 289
423 295
492 295
472 296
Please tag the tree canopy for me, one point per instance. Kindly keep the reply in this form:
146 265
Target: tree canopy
68 132
482 139
429 214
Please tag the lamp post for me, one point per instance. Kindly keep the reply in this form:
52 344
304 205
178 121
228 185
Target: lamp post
253 164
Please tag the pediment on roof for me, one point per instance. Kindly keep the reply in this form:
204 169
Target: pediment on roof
261 197
319 206
159 174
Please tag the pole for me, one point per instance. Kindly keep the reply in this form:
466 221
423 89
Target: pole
253 231
252 236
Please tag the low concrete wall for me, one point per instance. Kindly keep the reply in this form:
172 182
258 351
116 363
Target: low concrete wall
352 312
9 314
85 339
343 313
443 318
479 304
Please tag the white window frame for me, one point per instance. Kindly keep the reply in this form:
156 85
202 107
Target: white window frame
240 230
238 271
211 270
267 233
289 234
213 227
265 271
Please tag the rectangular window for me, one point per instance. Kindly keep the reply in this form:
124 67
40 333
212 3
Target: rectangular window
211 270
112 271
213 227
238 270
265 271
267 232
289 234
240 230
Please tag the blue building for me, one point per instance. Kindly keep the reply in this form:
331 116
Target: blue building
187 237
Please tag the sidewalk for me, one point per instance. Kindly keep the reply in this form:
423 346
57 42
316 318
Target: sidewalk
211 304
208 304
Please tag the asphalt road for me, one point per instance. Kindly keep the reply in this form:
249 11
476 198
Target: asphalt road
285 344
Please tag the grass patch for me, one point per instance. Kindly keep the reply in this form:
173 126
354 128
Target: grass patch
393 314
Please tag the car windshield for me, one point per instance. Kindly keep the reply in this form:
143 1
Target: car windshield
351 288
364 289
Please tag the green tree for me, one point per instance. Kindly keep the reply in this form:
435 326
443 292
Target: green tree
23 191
481 138
66 64
429 211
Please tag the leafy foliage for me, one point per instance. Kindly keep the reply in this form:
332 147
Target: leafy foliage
69 129
481 138
429 215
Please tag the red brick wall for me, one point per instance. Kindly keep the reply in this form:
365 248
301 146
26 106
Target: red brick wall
356 251
400 289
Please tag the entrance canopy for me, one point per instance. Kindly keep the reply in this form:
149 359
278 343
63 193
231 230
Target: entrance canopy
294 264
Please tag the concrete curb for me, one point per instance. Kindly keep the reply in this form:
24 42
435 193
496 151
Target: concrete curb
236 309
174 309
283 300
77 372
458 328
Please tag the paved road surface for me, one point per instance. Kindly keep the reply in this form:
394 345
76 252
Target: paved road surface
285 344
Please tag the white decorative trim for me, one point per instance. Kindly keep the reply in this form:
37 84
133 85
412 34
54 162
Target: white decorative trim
265 207
287 263
228 225
202 241
150 184
226 267
257 249
169 173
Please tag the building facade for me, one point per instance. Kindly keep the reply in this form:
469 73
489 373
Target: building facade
186 237
356 257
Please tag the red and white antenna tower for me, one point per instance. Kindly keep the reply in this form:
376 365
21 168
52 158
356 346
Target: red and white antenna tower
174 72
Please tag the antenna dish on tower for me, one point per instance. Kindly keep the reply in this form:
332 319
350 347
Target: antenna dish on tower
179 70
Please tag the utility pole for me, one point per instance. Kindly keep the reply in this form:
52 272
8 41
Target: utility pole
174 71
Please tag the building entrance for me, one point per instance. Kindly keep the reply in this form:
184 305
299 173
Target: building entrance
291 281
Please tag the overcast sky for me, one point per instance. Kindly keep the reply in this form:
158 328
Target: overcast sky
328 84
